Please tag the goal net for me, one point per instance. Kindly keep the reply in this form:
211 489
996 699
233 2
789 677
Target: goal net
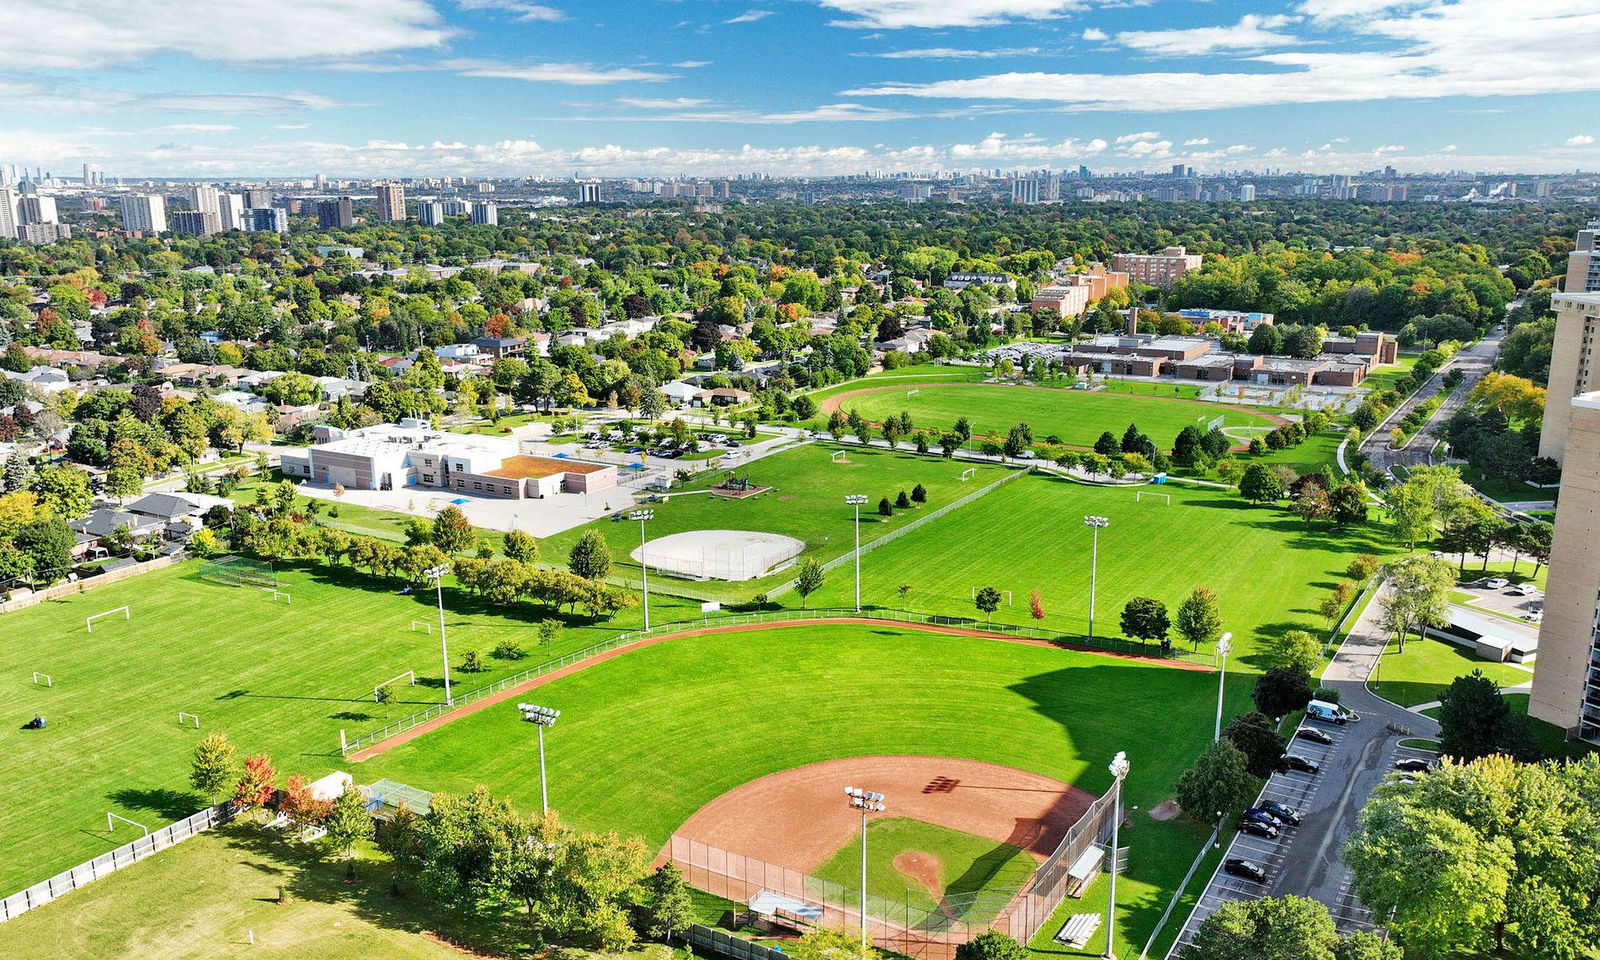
237 571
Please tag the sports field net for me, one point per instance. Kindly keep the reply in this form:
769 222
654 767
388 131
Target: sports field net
720 554
909 926
240 572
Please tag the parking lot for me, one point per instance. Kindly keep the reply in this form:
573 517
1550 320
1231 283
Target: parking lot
1291 859
1509 600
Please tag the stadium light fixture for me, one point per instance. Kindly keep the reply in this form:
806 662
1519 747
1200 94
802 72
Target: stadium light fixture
1119 771
1224 647
867 801
540 717
856 500
1095 524
644 516
437 575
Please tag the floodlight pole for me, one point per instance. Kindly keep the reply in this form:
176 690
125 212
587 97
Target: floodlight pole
1224 647
1119 770
540 717
856 500
867 802
544 783
644 568
437 575
1095 524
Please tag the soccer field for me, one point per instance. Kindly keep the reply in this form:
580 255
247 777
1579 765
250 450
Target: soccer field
1268 570
1077 417
282 679
806 502
649 737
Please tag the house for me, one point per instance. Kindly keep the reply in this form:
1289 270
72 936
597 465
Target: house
104 521
48 379
499 348
179 514
334 388
961 281
680 393
247 402
458 351
721 397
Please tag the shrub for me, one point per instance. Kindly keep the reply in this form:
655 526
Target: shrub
472 662
508 650
384 694
1325 694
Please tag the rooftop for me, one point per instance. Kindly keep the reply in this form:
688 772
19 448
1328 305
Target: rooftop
524 467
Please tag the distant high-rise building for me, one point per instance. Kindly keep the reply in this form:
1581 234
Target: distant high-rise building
588 193
1157 269
257 198
230 212
430 213
88 176
195 223
1025 191
1583 265
391 202
485 213
1247 192
144 213
44 232
206 199
36 208
1178 169
336 214
455 208
8 213
259 219
1083 172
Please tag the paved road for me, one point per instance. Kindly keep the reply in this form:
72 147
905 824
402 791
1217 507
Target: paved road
1473 362
1305 860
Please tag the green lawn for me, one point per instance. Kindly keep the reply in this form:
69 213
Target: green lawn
1425 669
350 517
1502 490
280 679
1077 417
806 502
977 877
638 749
502 427
1268 569
1386 375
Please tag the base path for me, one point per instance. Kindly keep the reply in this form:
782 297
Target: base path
798 818
511 693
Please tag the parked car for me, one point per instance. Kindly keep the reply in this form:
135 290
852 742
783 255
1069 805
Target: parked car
1293 761
1414 765
1285 814
1314 735
1534 616
1330 713
1524 590
1260 815
1496 583
1247 869
1258 829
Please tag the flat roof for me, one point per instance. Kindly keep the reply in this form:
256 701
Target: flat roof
523 467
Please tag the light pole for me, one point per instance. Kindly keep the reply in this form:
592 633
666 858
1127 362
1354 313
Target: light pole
540 717
436 574
867 802
1096 524
1224 647
644 568
856 500
1119 770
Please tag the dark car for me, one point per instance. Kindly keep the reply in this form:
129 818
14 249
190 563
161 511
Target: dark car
1261 815
1293 761
1249 870
1414 765
1314 735
1257 828
1282 813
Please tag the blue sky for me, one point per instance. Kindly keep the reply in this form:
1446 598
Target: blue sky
716 87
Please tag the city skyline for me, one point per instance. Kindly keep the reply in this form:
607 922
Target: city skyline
357 88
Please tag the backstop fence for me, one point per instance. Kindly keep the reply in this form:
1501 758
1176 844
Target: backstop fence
240 572
913 926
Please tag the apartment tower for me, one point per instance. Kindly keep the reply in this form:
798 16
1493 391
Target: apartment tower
391 202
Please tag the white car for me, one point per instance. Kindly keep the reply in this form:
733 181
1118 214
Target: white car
1495 583
1524 590
1534 616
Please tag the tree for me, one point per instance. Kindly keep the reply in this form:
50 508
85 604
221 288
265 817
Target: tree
521 547
1271 928
214 766
1145 618
1348 501
1363 567
667 903
1036 605
1259 485
987 599
1295 650
902 502
1418 595
885 509
808 579
1257 737
1217 783
549 632
348 824
258 782
590 557
452 531
991 945
1476 721
1312 504
832 943
1281 691
919 494
1107 445
1199 617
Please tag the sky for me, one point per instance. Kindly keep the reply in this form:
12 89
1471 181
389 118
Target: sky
365 88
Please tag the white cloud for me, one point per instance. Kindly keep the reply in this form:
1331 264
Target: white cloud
1148 149
1250 33
290 126
900 14
1443 48
1448 149
522 9
1095 34
197 127
1581 140
750 16
662 103
954 53
1142 135
691 64
1389 148
77 34
574 74
1197 142
827 113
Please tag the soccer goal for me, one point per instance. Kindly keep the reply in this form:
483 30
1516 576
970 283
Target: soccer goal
408 675
839 456
237 571
913 392
43 679
422 625
1005 593
88 622
111 826
1139 495
188 719
282 595
967 474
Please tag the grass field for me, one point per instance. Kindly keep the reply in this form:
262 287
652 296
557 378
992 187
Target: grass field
807 503
349 517
1425 669
976 876
1268 569
280 679
640 750
1077 417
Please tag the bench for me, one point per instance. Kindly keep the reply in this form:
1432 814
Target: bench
1078 929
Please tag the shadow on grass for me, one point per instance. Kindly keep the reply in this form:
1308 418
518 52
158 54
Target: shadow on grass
164 803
